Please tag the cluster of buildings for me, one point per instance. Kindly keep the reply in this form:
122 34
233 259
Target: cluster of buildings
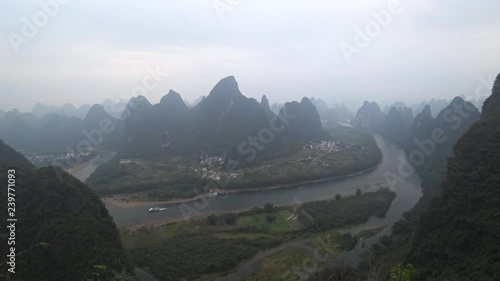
41 159
128 161
325 145
331 146
211 167
328 146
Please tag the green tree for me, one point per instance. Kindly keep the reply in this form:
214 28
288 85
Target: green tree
270 218
230 219
212 219
359 192
101 271
268 208
400 273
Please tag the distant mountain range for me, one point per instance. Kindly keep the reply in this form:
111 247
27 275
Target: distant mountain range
68 110
369 118
223 120
400 125
55 132
428 141
339 113
436 105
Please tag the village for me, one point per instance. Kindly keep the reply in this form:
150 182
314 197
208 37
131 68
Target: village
65 158
213 167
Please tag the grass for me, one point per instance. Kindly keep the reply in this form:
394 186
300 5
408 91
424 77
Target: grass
290 264
326 243
260 228
260 223
230 235
329 214
284 264
148 237
370 232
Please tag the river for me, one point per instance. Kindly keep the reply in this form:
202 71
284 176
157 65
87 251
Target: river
86 171
408 193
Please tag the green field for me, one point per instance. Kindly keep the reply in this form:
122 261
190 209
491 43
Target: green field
370 232
259 222
171 177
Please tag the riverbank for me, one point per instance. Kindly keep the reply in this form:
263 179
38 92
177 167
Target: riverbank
82 166
125 200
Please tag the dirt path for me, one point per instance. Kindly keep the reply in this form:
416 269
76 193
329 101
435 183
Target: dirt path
248 268
143 275
252 265
331 148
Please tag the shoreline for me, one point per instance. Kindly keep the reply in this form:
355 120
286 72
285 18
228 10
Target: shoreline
119 201
82 166
158 223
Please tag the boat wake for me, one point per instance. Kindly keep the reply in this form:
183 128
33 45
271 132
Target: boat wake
156 209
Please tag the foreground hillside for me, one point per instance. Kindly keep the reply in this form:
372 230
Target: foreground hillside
63 227
457 238
12 158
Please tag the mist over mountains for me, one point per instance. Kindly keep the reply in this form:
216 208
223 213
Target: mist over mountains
223 119
456 143
428 141
225 116
402 125
230 140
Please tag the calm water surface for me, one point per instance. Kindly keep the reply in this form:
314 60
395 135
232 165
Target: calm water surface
408 193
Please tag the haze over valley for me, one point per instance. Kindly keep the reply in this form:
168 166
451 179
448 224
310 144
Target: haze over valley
248 140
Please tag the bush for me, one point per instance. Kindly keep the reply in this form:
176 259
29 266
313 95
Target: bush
270 218
359 192
230 219
268 207
212 220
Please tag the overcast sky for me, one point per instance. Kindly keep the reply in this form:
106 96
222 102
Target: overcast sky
91 50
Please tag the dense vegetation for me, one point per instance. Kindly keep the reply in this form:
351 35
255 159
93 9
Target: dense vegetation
11 158
190 255
396 248
64 227
321 215
452 233
457 237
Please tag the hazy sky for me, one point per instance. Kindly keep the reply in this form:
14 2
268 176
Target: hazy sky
91 50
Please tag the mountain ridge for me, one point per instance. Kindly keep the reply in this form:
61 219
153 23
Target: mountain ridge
457 237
